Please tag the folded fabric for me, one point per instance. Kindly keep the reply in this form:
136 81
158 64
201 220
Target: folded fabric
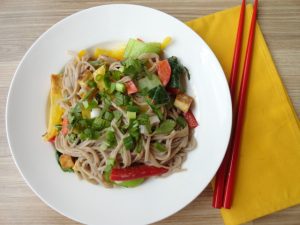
268 173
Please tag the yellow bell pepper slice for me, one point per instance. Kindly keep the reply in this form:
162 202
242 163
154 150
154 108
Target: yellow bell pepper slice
56 111
166 42
99 77
116 53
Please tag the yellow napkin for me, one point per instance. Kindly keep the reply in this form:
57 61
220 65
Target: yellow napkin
268 173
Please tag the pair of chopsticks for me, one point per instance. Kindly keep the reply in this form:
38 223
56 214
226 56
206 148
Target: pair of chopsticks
224 183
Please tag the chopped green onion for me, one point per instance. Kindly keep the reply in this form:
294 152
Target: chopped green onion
116 74
121 99
154 108
134 129
111 138
100 123
112 88
90 105
107 170
181 121
58 127
139 146
91 84
120 87
117 115
159 147
106 79
131 115
108 116
166 127
128 143
133 108
144 119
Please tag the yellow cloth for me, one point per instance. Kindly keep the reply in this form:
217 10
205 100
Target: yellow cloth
268 173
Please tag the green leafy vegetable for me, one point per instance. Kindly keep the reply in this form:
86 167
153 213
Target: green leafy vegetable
144 119
149 82
177 71
120 87
159 95
181 121
166 127
133 67
135 48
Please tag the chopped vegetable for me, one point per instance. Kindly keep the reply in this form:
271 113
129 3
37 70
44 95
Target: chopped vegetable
159 147
121 99
108 116
134 172
183 102
135 48
191 120
132 67
82 53
178 71
128 143
117 115
55 110
159 95
111 138
166 127
131 88
120 87
154 119
100 123
95 112
110 162
181 121
65 123
131 183
166 42
131 115
96 64
164 71
99 77
149 82
116 53
133 108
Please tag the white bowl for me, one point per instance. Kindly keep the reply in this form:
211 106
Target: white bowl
26 117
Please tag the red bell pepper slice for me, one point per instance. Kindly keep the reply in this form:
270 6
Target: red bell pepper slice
164 71
190 118
52 140
64 129
131 88
134 172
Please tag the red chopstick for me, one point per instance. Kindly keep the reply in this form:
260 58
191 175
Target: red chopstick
221 174
241 112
